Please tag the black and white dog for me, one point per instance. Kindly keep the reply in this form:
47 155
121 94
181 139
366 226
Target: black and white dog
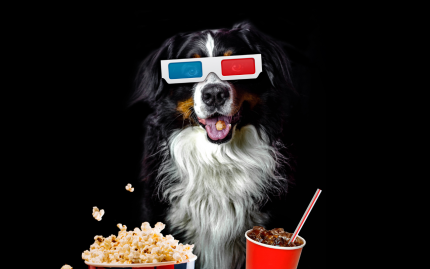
209 192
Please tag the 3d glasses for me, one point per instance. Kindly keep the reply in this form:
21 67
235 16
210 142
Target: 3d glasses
197 69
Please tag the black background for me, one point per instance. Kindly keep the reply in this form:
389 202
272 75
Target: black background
92 141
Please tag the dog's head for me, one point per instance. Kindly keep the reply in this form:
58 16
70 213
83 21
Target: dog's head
262 102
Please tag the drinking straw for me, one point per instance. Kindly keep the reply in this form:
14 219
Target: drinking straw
305 216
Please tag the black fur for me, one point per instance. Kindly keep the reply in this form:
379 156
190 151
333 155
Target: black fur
273 86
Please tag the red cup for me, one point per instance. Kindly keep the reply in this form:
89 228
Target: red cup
262 256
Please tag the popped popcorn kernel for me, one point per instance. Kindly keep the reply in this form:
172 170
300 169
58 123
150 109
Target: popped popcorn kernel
129 188
144 245
159 226
66 266
97 214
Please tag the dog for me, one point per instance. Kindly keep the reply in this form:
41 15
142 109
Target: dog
210 190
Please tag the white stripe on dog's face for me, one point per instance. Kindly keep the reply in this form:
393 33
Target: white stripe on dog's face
210 44
201 108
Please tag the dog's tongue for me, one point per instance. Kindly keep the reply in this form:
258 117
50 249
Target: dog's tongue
213 133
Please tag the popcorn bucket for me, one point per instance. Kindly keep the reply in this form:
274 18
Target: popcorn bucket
159 265
262 256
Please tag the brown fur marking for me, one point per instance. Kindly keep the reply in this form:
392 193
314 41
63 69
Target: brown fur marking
184 107
228 53
240 96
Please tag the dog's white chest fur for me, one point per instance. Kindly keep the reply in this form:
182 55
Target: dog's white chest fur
215 191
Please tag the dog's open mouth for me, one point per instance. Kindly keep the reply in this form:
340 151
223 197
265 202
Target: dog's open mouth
225 126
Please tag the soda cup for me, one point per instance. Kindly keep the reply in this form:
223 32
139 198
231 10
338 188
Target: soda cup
262 256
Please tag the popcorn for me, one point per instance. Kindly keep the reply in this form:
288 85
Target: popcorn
220 125
85 255
145 245
66 266
98 214
177 257
129 188
159 227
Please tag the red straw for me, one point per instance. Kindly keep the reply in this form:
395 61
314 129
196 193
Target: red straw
305 216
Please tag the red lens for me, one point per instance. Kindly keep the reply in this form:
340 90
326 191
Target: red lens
234 67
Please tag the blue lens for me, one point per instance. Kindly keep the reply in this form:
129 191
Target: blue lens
185 70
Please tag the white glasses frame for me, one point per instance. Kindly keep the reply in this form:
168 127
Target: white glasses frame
210 64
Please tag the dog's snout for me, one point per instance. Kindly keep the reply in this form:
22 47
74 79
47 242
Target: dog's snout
215 95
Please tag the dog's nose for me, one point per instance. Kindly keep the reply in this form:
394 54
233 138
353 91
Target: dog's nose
215 95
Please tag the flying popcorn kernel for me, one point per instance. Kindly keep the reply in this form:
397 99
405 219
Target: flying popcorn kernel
66 266
129 188
97 214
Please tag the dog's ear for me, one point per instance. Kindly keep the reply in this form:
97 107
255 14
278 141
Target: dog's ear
149 84
274 59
